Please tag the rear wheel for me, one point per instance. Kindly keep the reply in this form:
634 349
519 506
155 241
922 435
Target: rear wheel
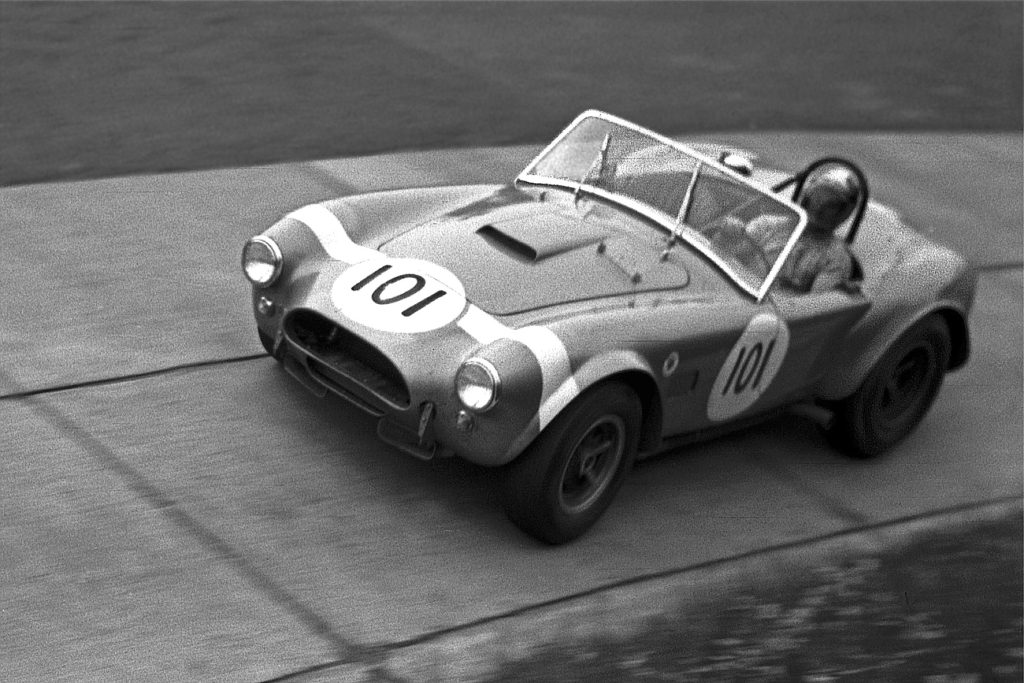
566 479
897 392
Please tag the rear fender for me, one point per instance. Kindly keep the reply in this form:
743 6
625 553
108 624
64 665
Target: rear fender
945 286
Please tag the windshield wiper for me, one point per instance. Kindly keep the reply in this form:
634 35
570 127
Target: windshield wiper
684 209
599 162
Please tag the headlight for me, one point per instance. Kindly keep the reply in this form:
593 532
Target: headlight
477 384
261 260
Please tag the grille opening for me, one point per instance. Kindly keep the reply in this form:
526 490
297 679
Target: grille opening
341 355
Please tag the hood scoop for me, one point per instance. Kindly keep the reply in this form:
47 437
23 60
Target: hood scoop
529 255
508 244
540 236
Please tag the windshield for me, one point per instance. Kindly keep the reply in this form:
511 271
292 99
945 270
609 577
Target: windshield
694 198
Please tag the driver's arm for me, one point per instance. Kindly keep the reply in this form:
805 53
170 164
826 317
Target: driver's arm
729 226
836 271
771 232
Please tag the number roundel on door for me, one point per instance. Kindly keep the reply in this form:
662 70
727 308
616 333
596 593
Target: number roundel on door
399 295
750 367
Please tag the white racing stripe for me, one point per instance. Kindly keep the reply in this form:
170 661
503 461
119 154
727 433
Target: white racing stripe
482 326
331 234
558 385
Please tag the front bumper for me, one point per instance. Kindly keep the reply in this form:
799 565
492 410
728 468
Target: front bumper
405 381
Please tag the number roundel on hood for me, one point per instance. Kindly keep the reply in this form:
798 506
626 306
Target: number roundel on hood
399 295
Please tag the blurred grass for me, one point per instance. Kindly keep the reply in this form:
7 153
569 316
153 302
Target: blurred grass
943 607
99 88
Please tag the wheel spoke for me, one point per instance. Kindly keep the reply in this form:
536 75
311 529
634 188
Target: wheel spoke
592 464
595 451
898 391
901 391
589 476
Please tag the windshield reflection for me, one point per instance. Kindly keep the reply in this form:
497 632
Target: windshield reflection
694 198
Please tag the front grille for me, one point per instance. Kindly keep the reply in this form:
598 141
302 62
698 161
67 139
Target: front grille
340 357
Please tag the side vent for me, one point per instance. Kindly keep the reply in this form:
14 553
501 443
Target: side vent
508 244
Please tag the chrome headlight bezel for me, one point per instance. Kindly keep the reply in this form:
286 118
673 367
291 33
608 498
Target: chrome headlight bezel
477 374
276 260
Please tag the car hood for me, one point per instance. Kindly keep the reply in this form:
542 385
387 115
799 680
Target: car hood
514 253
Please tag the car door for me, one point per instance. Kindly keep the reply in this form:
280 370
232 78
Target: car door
716 360
817 322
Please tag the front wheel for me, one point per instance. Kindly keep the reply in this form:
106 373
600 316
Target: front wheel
896 393
268 343
566 479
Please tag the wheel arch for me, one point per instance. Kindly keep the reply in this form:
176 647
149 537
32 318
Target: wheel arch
898 391
628 368
846 383
646 389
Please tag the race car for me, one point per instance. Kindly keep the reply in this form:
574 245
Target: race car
562 325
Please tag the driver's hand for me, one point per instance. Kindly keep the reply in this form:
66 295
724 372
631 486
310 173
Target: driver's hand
728 227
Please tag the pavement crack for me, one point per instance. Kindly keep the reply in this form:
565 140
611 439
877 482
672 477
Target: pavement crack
790 478
105 381
153 496
995 267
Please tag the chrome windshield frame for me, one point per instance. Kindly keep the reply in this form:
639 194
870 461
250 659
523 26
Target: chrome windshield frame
660 218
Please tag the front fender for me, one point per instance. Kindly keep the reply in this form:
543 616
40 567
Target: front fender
589 372
373 219
345 228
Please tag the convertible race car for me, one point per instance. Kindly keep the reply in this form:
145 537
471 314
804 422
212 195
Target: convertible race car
586 314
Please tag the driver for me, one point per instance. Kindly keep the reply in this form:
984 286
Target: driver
820 260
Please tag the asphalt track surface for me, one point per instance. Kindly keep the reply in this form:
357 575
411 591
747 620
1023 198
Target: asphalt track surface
175 507
90 89
182 508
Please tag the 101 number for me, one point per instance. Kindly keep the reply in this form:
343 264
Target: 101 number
748 368
416 284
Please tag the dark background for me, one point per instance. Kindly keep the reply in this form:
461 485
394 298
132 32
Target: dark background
101 88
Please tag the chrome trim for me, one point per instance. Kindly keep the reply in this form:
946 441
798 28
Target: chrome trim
278 259
663 219
492 373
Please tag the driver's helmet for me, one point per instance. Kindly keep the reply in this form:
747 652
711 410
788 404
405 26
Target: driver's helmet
829 198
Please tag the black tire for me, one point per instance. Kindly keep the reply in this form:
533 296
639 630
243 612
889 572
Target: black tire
897 392
268 343
565 480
